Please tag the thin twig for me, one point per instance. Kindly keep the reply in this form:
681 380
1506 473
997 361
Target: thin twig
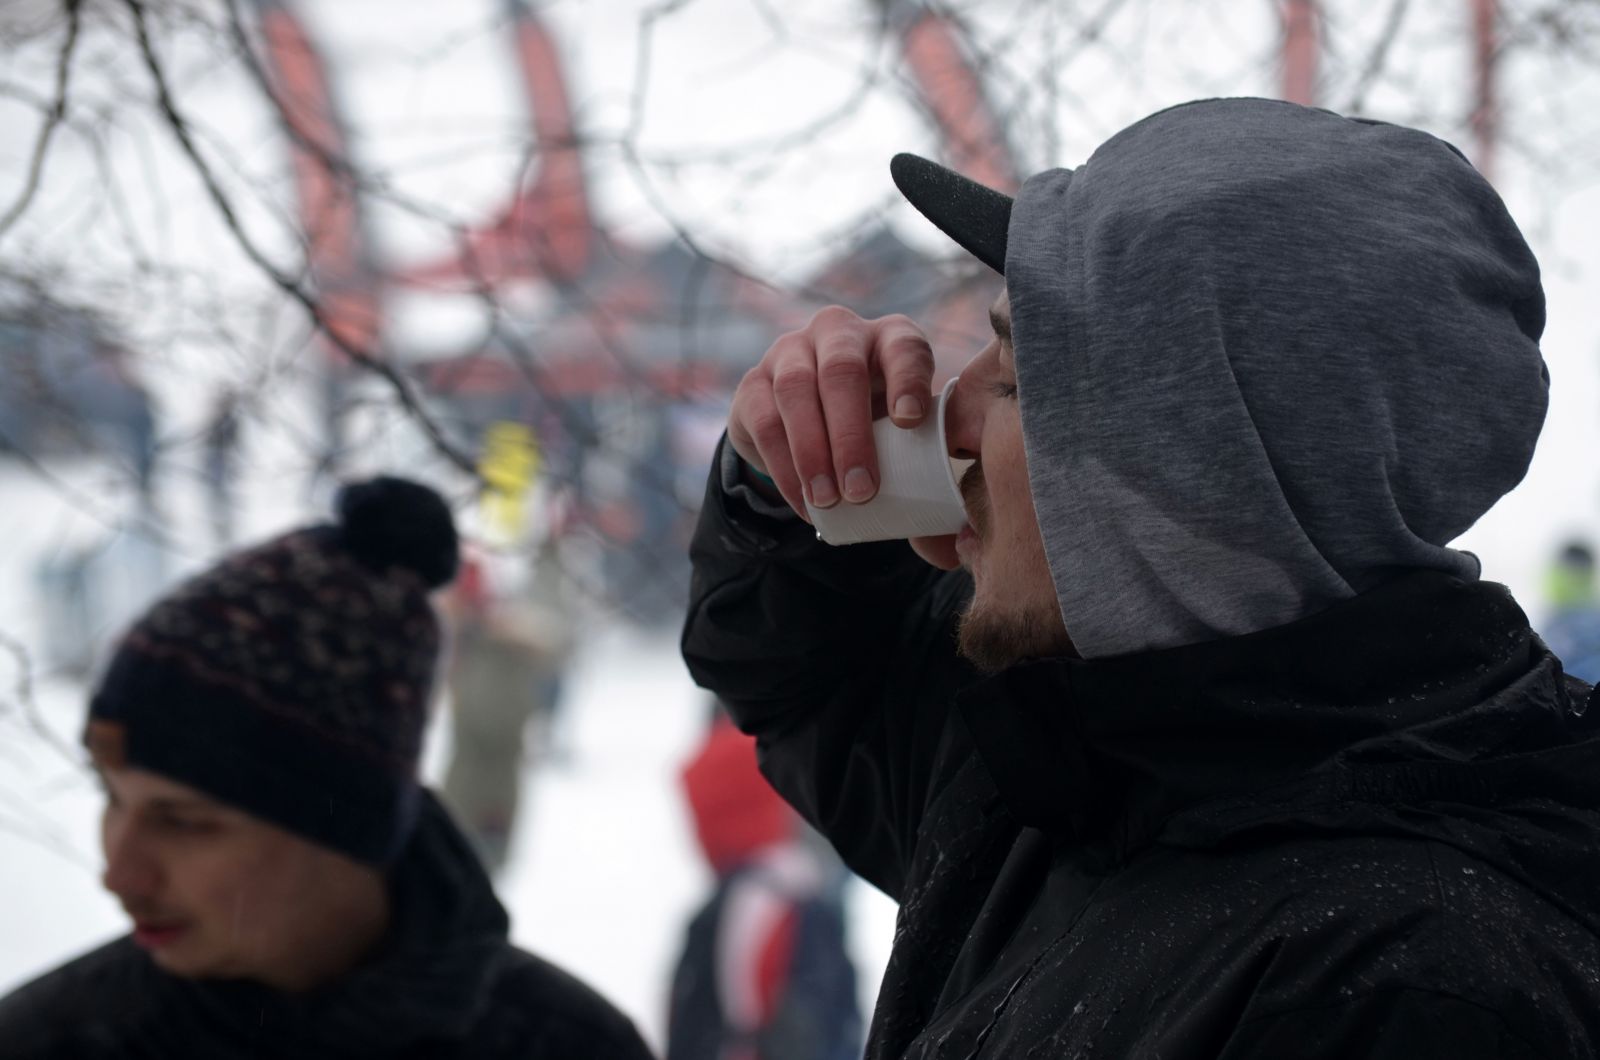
403 390
53 119
1378 58
28 707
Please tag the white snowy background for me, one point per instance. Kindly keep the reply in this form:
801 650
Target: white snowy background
603 871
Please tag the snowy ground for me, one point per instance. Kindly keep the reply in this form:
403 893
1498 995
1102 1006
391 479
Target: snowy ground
603 871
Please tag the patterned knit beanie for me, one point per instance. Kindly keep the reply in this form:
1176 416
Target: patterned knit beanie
292 680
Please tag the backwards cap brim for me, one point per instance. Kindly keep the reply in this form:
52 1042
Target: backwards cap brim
970 213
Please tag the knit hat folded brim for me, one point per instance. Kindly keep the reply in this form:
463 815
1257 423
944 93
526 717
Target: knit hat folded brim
229 743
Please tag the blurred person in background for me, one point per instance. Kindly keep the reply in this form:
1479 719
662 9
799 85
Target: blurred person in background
294 890
1571 625
512 639
220 440
764 973
133 429
1198 740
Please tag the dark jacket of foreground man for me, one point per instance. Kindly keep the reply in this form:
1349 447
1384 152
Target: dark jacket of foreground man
448 984
1369 833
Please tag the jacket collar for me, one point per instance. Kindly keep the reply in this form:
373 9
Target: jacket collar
1110 748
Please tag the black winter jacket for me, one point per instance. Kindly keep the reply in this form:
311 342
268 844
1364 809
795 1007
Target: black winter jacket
1371 833
447 984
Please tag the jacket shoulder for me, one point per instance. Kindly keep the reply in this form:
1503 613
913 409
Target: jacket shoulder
537 1009
61 1012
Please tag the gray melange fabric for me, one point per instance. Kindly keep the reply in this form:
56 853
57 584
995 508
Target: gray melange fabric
1266 355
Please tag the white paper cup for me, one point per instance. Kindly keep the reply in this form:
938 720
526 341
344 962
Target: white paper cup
918 487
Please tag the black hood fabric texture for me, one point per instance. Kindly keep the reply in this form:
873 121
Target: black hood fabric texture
446 983
1266 357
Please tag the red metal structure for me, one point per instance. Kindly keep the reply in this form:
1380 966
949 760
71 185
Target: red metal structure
547 232
1301 48
1485 117
937 53
881 273
338 254
638 333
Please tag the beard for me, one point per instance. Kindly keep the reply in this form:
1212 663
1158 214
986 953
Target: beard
994 642
993 639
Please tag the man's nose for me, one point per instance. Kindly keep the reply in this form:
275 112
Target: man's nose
132 872
963 419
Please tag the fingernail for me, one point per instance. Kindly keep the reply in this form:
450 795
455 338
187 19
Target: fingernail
907 408
857 485
823 493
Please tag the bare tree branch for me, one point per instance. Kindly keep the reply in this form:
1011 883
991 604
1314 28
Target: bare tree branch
53 119
1378 57
404 393
26 706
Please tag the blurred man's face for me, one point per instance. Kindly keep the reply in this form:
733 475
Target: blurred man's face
1014 614
216 893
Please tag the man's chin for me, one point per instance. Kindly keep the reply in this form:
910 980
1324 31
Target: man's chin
185 962
988 644
174 964
993 643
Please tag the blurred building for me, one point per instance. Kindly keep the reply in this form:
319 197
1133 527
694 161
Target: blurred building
69 388
69 394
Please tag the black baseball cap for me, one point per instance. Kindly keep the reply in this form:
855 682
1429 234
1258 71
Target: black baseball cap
972 214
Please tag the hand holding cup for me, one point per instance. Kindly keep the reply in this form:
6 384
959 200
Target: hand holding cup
919 493
803 415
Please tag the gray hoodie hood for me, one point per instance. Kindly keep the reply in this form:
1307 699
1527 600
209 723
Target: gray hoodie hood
1267 356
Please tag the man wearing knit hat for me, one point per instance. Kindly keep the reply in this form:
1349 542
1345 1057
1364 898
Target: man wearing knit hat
1199 740
294 890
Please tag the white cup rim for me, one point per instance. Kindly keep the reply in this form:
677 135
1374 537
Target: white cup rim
942 407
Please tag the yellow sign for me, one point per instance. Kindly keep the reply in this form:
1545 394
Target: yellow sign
509 464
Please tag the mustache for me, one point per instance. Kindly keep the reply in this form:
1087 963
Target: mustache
975 496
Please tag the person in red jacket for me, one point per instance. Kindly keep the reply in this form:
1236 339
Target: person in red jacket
763 974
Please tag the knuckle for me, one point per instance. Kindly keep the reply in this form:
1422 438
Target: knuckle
834 318
754 388
843 372
908 345
794 385
852 436
850 447
753 391
766 426
786 347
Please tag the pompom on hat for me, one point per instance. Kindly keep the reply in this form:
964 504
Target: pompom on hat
292 680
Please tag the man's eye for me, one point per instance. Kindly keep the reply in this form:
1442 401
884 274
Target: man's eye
1003 390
